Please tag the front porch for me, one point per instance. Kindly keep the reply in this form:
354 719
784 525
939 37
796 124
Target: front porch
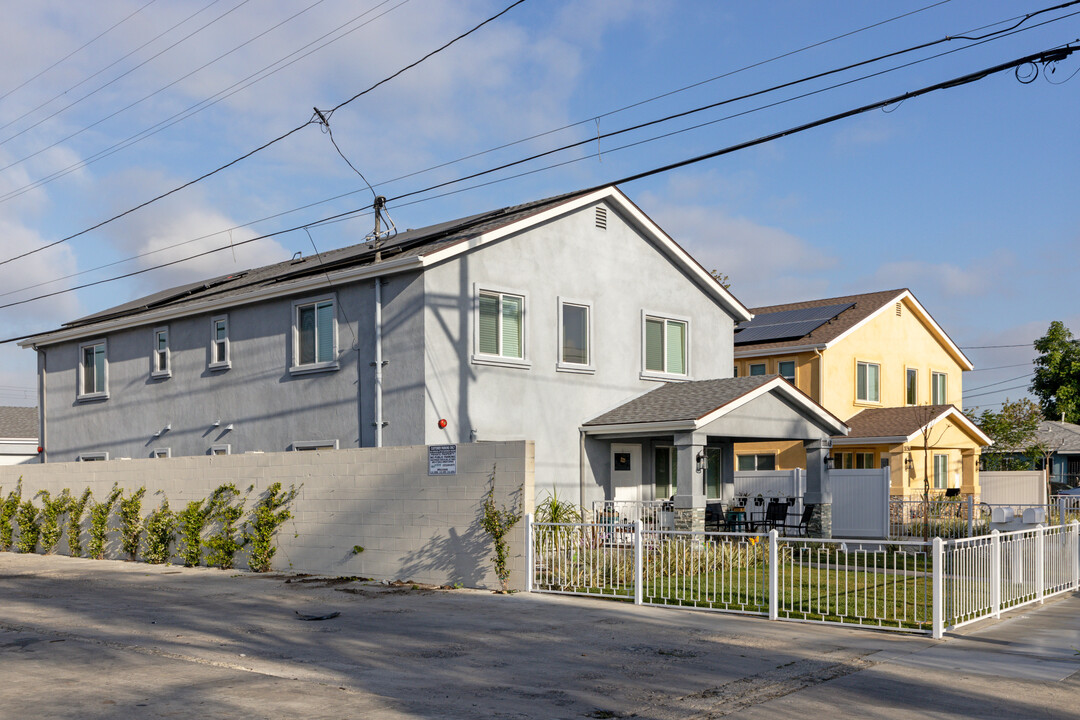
677 444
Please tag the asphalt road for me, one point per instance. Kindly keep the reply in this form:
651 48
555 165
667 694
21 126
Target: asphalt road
107 639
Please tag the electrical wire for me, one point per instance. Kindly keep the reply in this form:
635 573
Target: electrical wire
1000 367
993 392
1044 56
994 347
1002 382
265 145
77 50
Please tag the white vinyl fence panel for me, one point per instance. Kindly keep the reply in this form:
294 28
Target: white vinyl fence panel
789 484
860 503
1014 487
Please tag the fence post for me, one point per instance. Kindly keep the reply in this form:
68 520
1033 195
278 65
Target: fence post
971 515
937 588
1074 532
530 555
1061 509
774 575
995 573
1040 554
639 591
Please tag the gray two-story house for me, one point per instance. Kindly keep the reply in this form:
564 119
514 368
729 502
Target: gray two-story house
527 322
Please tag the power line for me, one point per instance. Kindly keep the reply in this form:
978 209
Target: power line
265 145
1002 382
991 347
994 392
82 47
1000 367
1044 57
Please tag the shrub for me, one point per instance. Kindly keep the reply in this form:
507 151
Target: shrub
8 508
76 508
99 524
224 544
131 522
160 534
192 519
270 513
29 530
497 523
52 509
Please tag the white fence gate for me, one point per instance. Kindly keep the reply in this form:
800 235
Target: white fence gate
1014 487
860 503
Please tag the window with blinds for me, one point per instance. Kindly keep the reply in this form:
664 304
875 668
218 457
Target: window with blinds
938 388
315 333
665 346
867 386
93 371
500 325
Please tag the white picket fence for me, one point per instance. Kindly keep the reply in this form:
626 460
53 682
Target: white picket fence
911 586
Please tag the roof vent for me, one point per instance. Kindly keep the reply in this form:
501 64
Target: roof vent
601 217
899 309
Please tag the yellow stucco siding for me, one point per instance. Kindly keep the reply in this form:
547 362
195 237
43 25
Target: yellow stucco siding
894 343
805 369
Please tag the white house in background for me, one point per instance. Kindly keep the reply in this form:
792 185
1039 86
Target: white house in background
18 435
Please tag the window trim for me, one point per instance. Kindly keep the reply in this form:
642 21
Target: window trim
945 474
665 376
866 400
220 446
586 368
154 372
155 453
945 375
227 363
756 455
794 370
327 365
93 457
479 358
309 445
750 369
81 396
907 372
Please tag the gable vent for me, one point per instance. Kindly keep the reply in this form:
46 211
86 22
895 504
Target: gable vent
601 217
899 309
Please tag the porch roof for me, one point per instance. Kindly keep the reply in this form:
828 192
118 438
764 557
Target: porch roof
689 406
896 425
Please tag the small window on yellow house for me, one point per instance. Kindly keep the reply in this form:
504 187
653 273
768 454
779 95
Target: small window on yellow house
757 369
787 370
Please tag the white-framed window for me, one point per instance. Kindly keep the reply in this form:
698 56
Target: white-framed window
757 369
762 461
500 327
93 370
939 388
853 460
575 336
786 370
160 366
867 382
222 449
911 386
161 453
94 457
941 471
308 445
220 357
665 347
314 335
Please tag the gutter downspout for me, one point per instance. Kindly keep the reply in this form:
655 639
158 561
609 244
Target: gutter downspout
378 363
41 404
581 468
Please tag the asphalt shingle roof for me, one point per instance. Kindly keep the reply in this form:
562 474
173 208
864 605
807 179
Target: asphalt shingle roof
1059 436
18 422
673 402
893 421
865 305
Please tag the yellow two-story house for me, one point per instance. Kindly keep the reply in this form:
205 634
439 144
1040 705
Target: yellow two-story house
882 364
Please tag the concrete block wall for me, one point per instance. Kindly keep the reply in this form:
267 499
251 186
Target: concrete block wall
412 526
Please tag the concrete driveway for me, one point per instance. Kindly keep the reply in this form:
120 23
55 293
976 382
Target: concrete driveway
105 639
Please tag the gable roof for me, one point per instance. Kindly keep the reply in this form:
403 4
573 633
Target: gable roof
904 424
18 423
1061 437
862 309
410 250
694 404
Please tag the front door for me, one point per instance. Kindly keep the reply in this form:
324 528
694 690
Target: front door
625 472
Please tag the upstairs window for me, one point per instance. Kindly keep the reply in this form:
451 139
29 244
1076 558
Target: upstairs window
159 359
575 332
93 371
501 325
911 387
314 335
938 388
787 370
665 346
219 343
757 369
867 386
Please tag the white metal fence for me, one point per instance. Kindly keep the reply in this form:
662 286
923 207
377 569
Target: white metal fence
913 586
653 514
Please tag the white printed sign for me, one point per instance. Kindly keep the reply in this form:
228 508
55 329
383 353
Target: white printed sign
442 459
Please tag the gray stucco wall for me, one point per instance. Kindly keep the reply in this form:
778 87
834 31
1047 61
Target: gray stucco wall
620 274
269 407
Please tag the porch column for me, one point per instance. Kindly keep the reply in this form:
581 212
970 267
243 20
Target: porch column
690 484
818 490
969 477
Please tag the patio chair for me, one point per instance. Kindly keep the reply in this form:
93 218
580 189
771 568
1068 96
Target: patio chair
802 527
775 516
714 517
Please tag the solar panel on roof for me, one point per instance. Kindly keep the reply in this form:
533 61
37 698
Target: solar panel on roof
786 324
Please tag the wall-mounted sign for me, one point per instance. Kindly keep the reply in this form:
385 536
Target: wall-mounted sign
622 461
442 459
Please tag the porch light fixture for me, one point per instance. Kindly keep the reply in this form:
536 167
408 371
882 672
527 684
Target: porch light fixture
702 461
828 462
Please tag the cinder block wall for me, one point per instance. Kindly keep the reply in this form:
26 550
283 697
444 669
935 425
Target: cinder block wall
412 526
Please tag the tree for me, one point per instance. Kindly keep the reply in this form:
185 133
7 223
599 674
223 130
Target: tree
721 278
1057 374
1013 432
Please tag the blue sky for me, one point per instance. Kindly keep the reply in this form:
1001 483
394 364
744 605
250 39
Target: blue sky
965 195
